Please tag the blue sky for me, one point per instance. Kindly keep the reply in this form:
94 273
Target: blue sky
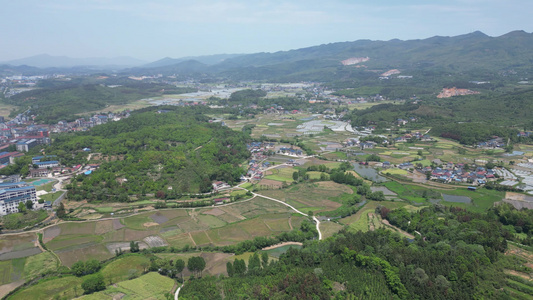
151 30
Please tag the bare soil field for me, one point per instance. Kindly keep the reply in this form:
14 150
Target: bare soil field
6 288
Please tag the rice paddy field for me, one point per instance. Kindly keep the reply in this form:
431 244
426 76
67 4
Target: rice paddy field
217 225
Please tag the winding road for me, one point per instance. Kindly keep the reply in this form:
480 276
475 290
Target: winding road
317 222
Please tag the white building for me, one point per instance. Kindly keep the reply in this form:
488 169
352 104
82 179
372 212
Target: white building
11 194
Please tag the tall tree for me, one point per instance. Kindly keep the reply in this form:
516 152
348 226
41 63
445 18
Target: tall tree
229 269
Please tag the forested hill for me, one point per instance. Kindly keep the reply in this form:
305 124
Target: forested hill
463 53
53 101
152 152
468 119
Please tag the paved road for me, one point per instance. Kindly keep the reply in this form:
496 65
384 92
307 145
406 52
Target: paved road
178 292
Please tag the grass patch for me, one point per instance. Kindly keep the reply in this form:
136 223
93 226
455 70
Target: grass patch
179 240
407 192
370 207
329 228
128 266
104 210
51 196
5 271
137 222
22 220
38 264
68 287
246 185
281 174
148 286
200 238
211 221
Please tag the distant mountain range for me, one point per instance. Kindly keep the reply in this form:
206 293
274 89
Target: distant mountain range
473 51
48 61
468 52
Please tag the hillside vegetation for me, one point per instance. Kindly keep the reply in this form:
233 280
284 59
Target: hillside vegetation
153 151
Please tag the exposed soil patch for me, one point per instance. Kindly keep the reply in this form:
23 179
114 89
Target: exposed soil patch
117 225
150 224
159 218
281 245
519 274
214 212
6 288
51 233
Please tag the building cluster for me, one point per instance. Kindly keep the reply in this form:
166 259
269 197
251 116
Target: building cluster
494 143
12 194
410 136
453 92
83 124
259 151
450 172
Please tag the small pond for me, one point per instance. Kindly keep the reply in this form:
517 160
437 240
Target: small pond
369 173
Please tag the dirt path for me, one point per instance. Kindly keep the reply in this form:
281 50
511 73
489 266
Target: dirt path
281 245
190 236
290 222
407 234
208 237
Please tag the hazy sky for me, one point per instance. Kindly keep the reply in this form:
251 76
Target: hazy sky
151 30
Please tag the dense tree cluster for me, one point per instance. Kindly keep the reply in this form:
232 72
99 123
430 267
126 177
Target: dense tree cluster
455 255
